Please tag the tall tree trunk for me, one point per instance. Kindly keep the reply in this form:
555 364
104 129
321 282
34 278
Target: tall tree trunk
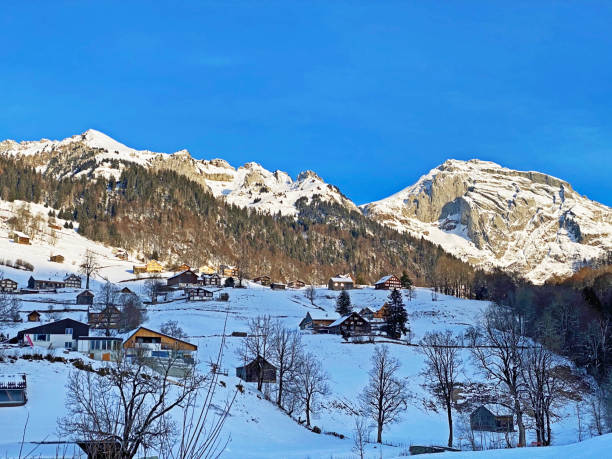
308 411
520 424
279 398
450 424
379 437
87 283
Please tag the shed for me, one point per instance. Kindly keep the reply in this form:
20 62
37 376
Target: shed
20 238
34 316
251 371
492 418
85 297
340 283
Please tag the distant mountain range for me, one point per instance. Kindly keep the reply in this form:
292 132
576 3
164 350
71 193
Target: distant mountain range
490 216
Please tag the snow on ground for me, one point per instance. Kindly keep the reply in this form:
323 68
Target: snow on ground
257 428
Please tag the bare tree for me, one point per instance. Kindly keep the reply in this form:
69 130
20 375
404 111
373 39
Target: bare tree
152 288
361 436
442 365
172 328
384 398
106 305
258 343
500 358
310 383
132 315
310 293
89 265
286 353
9 307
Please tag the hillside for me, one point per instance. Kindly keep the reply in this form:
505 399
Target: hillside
524 222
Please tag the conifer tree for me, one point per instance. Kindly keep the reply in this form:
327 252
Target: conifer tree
343 304
397 318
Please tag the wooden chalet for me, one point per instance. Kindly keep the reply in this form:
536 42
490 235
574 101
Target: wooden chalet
228 271
153 266
187 277
198 294
34 316
252 371
8 285
382 312
492 418
73 281
277 286
388 283
86 297
20 238
56 258
13 390
42 284
351 324
340 283
150 343
296 284
263 280
317 325
214 280
109 317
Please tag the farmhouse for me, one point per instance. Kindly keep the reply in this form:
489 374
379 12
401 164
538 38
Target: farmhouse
198 294
251 371
41 284
34 316
388 283
56 258
187 277
109 317
61 334
8 285
72 281
316 325
152 266
263 280
105 348
210 279
228 271
85 297
340 283
492 418
351 324
13 390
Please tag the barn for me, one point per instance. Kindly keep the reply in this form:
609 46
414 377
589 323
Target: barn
186 277
492 418
250 372
388 283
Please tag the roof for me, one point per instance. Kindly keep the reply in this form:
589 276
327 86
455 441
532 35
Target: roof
342 319
85 293
341 279
498 410
159 333
183 272
384 279
20 234
90 338
42 328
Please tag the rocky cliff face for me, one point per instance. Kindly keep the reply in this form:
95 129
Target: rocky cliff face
526 222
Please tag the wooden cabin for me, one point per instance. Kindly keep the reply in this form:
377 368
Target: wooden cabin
315 324
13 390
56 258
351 324
85 297
492 418
34 316
109 317
147 342
228 271
8 285
187 277
198 294
296 284
277 286
153 266
42 284
382 312
340 283
263 280
251 371
20 238
214 280
73 281
388 283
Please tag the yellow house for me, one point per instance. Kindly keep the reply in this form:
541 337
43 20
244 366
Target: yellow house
207 269
154 266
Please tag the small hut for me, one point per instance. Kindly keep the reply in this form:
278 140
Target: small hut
85 297
34 316
251 371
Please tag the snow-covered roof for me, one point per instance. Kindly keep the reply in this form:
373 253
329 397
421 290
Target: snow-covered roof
498 410
384 279
339 321
341 279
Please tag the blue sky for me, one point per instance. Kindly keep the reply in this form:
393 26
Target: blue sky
371 95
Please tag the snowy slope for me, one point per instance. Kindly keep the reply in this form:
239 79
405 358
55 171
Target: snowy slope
489 215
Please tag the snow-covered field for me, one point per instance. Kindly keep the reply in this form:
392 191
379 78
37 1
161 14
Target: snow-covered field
257 428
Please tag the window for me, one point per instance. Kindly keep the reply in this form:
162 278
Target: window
68 345
41 337
68 331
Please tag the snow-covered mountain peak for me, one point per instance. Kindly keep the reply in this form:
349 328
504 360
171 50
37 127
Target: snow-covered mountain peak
305 175
489 215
